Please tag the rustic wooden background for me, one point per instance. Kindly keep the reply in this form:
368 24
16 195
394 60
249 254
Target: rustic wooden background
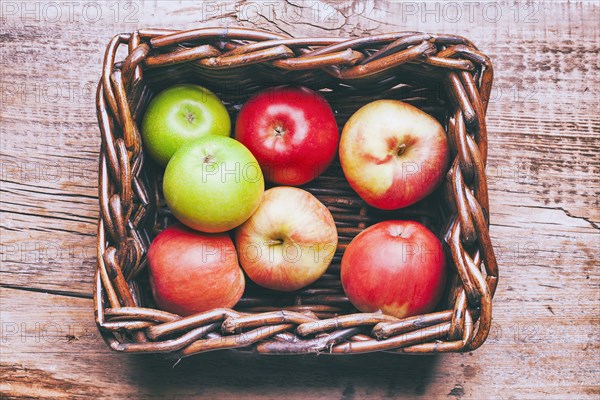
544 177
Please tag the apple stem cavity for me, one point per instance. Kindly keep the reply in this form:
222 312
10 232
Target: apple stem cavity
401 149
396 231
208 159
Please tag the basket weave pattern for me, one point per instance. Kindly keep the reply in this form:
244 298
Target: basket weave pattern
444 75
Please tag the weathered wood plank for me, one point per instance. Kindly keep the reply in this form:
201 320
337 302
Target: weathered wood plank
53 350
544 178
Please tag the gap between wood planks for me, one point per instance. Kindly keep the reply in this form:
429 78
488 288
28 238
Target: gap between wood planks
65 293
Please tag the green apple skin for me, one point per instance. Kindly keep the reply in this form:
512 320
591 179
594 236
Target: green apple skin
179 114
213 184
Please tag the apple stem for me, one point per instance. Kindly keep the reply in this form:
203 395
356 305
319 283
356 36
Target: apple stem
401 149
273 242
279 131
190 117
208 158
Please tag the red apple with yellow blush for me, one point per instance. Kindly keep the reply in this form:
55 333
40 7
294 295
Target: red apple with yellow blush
393 154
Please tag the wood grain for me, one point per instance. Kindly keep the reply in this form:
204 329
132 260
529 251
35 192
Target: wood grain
53 350
544 178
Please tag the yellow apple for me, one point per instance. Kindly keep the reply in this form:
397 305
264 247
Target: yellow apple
289 241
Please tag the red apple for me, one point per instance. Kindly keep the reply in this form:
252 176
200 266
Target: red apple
192 272
289 241
393 154
291 131
397 267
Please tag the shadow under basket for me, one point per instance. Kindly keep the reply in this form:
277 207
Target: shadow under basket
444 75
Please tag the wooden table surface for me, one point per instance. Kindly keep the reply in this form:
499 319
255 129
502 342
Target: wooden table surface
544 178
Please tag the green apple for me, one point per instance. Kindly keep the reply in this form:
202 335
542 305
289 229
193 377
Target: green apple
179 114
213 184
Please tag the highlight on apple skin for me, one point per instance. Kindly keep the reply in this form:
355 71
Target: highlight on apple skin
192 272
289 241
397 267
393 154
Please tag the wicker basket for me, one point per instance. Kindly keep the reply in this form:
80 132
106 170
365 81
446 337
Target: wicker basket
444 75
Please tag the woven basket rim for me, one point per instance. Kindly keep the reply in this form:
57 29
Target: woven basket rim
128 199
